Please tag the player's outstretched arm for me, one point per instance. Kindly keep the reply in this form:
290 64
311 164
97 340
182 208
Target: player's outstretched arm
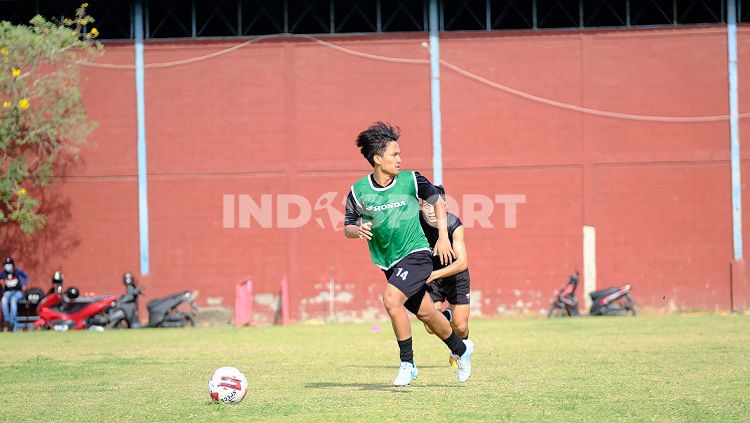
460 264
443 244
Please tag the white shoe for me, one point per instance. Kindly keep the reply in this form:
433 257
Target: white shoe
406 373
464 362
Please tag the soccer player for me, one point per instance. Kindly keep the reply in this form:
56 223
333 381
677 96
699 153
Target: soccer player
383 209
449 282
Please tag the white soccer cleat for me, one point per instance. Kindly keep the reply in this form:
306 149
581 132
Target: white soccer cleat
464 362
406 373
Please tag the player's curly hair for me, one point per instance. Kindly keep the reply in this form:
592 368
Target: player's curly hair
441 191
374 140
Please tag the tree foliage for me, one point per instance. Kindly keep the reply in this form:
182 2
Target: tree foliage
42 119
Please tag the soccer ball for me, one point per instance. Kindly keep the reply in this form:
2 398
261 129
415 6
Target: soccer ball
227 385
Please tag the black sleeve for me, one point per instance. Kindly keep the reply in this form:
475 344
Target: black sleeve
353 211
453 223
425 189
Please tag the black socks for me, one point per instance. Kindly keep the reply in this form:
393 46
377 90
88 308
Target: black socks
407 354
453 342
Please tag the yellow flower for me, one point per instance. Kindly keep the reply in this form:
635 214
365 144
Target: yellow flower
4 51
6 104
16 72
24 103
94 32
22 192
85 5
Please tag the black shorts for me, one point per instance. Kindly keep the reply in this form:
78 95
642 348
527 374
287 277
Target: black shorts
454 288
409 276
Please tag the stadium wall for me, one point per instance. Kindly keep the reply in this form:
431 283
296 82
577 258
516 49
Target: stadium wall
279 117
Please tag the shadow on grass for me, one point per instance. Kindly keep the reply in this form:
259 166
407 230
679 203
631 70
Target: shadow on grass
360 366
373 386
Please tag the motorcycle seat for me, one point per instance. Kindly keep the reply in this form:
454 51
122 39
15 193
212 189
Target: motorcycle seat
88 300
603 292
175 298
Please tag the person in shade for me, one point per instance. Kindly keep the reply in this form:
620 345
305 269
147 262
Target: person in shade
14 281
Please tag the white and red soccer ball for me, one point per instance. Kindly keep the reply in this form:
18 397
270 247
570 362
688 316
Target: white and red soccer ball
227 385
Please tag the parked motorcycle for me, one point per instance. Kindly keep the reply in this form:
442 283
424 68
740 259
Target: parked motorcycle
565 302
162 312
612 302
165 312
69 312
124 314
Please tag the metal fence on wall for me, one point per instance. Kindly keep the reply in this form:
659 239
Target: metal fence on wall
236 18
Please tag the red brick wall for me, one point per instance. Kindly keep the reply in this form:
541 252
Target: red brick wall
280 117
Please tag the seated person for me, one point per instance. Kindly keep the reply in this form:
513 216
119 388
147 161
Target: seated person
14 281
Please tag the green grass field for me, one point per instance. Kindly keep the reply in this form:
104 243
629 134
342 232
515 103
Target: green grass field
676 368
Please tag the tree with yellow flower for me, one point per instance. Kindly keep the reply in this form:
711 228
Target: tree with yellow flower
42 119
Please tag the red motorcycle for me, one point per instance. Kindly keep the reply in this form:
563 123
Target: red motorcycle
68 312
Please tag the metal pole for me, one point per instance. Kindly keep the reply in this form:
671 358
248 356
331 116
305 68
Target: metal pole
441 14
580 14
378 16
734 129
193 25
286 16
487 16
332 17
141 117
437 148
147 19
239 18
589 263
627 12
